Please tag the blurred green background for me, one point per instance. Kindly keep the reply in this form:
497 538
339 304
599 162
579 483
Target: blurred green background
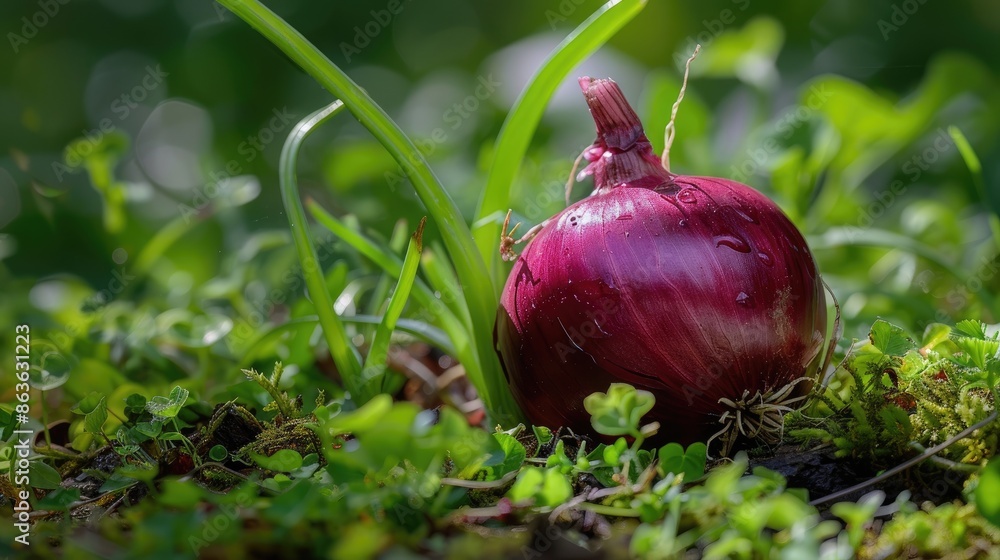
141 139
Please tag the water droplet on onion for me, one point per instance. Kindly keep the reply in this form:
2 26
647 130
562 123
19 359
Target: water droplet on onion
687 197
744 299
734 242
765 258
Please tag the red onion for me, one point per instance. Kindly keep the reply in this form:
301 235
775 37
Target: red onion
697 289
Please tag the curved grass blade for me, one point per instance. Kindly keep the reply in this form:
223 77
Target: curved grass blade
452 324
373 374
524 116
477 288
345 356
380 293
390 264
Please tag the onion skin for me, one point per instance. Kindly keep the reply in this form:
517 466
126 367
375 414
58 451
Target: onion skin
693 288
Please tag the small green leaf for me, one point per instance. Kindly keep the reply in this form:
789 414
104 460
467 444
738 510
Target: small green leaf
324 413
88 404
310 464
127 440
559 460
529 480
116 482
135 404
619 411
542 434
555 490
218 453
975 352
94 420
546 487
935 334
284 460
514 453
971 329
691 462
58 499
43 476
368 415
889 339
169 406
149 429
613 453
913 365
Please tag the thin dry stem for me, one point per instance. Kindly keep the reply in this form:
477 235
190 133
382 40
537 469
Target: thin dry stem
572 176
668 132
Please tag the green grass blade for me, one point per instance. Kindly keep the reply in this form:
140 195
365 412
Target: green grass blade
373 373
456 329
382 257
477 286
397 243
442 279
523 118
387 261
976 169
341 349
